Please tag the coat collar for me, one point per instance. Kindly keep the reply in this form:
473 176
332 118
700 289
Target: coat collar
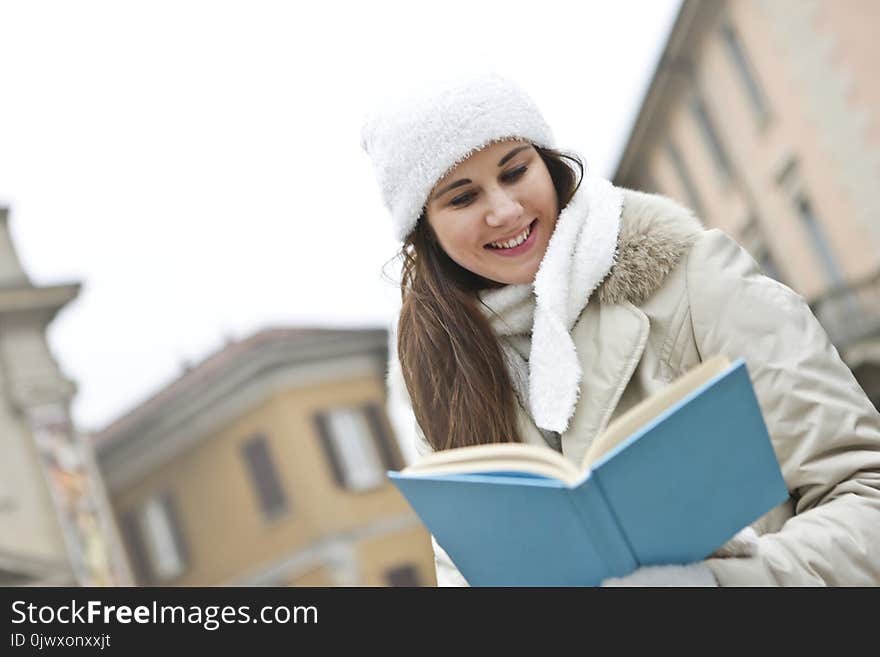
611 335
655 232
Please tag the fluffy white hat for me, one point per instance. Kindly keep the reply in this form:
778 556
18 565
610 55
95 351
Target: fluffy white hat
415 141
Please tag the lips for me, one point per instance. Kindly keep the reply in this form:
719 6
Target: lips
523 236
521 248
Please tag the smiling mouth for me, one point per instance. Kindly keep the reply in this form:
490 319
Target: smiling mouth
514 241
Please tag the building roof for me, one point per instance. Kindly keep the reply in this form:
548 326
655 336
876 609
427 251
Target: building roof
665 67
297 344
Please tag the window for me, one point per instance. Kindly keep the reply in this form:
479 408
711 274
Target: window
817 237
358 446
740 62
753 239
868 376
264 476
154 538
768 265
403 576
132 535
710 136
790 181
685 179
163 546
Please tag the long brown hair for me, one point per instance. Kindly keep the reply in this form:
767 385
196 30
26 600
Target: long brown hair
450 358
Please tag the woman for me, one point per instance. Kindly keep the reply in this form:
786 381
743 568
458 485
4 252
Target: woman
538 305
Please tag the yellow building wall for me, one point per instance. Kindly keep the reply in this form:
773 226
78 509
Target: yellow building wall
316 577
225 530
412 547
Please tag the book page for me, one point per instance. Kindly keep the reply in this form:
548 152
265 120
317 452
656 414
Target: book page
499 457
646 410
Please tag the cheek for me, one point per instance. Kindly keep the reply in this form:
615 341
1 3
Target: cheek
455 237
543 195
549 196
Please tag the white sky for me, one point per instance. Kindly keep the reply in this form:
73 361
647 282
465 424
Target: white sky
197 165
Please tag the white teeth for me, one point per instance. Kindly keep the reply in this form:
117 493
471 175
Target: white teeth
516 241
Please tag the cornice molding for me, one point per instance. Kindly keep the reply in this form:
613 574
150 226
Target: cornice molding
215 394
48 299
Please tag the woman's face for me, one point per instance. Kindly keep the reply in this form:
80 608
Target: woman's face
494 213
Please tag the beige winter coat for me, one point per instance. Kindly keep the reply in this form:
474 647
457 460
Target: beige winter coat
678 294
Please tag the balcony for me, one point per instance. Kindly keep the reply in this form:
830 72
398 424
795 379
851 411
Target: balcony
851 312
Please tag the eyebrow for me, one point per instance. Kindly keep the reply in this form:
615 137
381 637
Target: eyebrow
466 181
507 157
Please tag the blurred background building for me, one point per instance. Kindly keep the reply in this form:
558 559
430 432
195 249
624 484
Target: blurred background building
764 117
265 465
56 528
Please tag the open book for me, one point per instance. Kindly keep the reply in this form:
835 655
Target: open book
669 481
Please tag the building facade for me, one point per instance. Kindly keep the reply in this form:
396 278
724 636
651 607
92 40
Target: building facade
764 118
266 465
56 528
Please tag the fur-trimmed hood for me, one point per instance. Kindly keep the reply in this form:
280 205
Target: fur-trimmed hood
655 232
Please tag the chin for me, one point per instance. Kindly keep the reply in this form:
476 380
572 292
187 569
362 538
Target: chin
517 280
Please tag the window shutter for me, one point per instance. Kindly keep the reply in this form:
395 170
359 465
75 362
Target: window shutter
264 475
403 576
129 525
736 53
385 441
711 137
685 179
320 421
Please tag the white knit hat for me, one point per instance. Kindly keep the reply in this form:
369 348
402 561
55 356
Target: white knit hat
414 142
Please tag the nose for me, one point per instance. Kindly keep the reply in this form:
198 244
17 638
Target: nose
503 209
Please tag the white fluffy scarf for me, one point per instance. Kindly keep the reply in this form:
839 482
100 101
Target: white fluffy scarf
581 252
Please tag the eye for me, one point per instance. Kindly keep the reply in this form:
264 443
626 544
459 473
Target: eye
462 199
515 174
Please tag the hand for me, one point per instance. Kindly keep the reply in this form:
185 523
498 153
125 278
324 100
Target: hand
694 574
743 544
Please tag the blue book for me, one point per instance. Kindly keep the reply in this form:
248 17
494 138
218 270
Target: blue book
669 482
